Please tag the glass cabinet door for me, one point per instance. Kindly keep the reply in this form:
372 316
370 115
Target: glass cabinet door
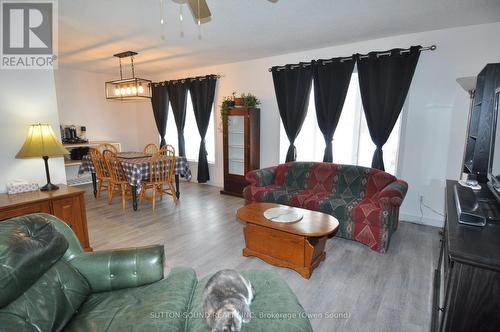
236 144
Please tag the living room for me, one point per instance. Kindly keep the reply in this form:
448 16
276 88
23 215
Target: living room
192 63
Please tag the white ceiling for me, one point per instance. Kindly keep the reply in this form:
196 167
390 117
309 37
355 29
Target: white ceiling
91 31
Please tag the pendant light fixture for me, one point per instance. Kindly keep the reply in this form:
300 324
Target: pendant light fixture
128 89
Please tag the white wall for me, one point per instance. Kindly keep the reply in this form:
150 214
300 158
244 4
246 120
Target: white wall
433 134
26 97
82 102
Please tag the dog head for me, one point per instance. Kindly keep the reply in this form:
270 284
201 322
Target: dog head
227 319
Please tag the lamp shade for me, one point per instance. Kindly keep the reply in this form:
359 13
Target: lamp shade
41 141
467 83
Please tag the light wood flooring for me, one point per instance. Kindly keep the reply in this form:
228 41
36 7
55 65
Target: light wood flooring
380 292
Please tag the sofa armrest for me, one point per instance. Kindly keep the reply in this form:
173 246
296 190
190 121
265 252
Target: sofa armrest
392 194
261 177
121 268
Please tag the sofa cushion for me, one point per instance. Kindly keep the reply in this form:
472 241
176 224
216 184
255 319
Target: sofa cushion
340 206
29 246
49 304
256 193
307 199
295 175
160 306
280 173
351 180
271 293
322 177
279 195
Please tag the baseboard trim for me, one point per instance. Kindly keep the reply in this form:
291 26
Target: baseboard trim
419 220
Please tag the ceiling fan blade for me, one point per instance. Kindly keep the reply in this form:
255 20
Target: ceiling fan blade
201 13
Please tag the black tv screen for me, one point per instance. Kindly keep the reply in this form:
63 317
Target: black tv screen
494 163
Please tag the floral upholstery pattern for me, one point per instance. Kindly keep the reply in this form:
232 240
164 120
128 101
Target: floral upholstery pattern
365 201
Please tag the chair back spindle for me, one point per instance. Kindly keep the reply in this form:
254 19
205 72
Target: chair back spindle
107 146
161 165
151 149
114 166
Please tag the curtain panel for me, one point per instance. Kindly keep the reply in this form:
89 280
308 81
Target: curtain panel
177 94
292 86
331 82
384 81
202 92
159 102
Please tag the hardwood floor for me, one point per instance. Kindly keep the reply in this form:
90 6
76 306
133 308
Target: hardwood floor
379 292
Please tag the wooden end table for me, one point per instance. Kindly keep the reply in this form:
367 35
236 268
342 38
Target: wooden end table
299 246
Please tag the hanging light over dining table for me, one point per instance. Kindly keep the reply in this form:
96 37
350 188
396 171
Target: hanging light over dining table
128 89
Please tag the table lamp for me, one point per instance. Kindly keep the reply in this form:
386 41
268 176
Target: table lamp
41 142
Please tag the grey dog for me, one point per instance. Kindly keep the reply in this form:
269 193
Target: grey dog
226 301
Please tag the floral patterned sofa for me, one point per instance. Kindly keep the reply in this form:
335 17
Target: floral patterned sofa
366 201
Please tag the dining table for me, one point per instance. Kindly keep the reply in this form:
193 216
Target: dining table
136 168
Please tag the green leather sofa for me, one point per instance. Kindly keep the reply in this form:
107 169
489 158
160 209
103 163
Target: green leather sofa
48 283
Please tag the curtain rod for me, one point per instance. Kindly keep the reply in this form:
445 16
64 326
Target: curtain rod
350 58
182 80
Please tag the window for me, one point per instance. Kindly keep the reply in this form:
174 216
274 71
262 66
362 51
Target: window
352 143
191 134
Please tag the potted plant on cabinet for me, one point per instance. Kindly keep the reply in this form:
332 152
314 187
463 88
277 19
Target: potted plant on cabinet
249 100
227 103
244 100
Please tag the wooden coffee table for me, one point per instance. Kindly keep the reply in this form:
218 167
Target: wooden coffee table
299 246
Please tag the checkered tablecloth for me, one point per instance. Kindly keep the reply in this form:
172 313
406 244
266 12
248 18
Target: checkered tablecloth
137 169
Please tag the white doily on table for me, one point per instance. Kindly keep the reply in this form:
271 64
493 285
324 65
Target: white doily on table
283 214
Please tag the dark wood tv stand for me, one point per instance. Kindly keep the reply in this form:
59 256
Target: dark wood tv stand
467 279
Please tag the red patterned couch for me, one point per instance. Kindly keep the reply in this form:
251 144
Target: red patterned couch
365 201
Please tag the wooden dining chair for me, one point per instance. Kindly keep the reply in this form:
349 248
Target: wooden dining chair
101 171
161 175
166 150
106 146
151 148
118 180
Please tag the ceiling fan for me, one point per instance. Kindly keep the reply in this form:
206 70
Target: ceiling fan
199 9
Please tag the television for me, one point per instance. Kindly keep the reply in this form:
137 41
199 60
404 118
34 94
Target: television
494 160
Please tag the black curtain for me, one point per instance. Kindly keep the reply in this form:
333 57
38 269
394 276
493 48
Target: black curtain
292 86
202 96
331 82
384 81
177 94
159 101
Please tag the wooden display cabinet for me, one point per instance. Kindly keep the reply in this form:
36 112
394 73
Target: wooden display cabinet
241 135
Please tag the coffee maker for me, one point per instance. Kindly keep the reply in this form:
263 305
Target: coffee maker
70 134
